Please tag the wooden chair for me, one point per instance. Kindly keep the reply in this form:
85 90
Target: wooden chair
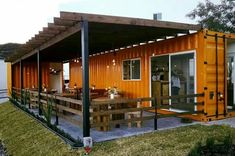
137 114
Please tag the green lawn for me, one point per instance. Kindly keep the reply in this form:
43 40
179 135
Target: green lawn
23 136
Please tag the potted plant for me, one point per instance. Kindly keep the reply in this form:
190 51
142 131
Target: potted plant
112 92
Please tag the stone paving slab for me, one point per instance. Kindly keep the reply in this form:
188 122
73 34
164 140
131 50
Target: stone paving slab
228 121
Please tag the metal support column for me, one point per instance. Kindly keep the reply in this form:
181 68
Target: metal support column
21 82
225 77
85 78
216 75
39 82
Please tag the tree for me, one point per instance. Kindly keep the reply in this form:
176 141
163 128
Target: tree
217 17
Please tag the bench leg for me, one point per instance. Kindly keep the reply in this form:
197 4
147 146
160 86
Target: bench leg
129 123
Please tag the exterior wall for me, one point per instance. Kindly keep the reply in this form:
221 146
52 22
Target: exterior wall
207 74
9 78
56 80
30 76
3 71
103 74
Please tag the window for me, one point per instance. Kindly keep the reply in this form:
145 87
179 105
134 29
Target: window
131 69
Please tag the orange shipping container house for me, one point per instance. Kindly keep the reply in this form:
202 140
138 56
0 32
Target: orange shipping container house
138 57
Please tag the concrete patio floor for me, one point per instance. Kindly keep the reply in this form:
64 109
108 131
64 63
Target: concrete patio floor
147 127
99 136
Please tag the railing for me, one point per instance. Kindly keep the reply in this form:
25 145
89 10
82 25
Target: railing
111 112
16 93
190 105
63 107
105 114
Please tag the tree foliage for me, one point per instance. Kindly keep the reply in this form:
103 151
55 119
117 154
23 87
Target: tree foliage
7 49
217 17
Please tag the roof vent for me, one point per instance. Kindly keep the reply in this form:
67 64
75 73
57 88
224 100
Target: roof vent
157 16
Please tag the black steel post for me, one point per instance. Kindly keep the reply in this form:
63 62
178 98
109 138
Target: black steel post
85 78
225 77
155 117
21 82
216 74
39 82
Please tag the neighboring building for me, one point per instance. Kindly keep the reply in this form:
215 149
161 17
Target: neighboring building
3 71
3 79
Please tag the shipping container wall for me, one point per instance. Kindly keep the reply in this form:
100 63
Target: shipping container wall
104 74
30 76
214 73
16 75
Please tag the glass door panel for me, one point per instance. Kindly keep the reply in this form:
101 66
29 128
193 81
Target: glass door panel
182 76
160 77
230 80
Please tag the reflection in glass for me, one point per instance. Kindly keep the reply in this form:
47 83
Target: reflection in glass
182 75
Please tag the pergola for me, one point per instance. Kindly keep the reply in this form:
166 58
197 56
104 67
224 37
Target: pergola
75 35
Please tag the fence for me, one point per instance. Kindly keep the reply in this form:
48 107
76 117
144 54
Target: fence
106 113
51 104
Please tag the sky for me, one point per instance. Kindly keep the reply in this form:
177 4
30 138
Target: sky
22 19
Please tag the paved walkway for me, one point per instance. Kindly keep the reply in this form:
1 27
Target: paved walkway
228 121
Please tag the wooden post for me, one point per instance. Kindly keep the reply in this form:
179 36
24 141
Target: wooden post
155 117
85 78
21 82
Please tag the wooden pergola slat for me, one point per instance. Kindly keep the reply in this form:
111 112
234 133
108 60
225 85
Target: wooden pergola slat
69 23
126 20
64 22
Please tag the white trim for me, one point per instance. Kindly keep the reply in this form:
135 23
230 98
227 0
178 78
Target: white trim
131 69
150 78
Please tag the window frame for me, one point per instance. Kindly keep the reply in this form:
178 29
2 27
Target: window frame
131 79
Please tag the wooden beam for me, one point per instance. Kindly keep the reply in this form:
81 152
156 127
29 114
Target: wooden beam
51 30
127 21
56 27
70 31
63 22
46 34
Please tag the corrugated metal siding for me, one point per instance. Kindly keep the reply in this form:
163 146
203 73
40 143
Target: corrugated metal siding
30 76
103 77
210 73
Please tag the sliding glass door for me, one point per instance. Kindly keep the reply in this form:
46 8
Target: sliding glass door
173 75
182 75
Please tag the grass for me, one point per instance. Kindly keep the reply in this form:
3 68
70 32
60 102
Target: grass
22 135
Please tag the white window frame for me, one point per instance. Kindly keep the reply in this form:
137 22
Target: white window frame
131 79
